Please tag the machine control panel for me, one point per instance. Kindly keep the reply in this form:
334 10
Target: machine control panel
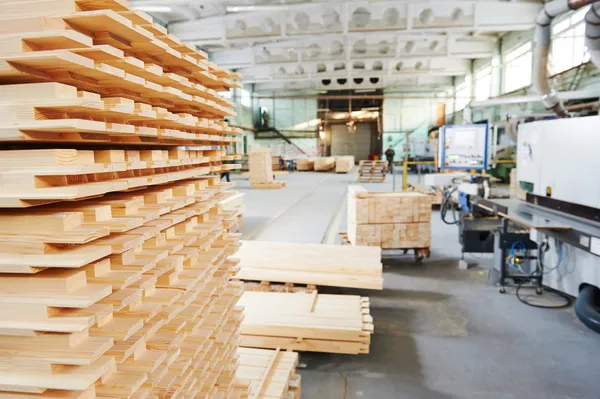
464 147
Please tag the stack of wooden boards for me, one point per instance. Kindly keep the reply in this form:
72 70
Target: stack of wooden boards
392 220
305 164
372 171
270 374
306 322
344 164
324 164
115 268
261 170
315 264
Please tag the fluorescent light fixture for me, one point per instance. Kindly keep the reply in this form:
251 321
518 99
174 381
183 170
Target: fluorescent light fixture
365 91
154 8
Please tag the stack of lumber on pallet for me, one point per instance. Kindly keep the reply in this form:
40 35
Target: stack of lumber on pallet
392 220
270 374
261 170
115 263
344 164
315 264
305 164
372 171
306 322
324 164
275 162
266 286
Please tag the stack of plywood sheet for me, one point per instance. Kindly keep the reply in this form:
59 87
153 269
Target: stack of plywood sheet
372 171
324 164
306 322
305 164
261 169
115 262
344 164
389 220
315 264
270 374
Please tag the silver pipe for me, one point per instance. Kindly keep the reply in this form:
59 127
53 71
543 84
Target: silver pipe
592 33
543 35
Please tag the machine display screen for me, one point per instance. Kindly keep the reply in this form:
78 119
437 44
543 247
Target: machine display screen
464 147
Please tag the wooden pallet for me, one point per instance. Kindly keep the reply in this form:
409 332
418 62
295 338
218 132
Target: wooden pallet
306 322
372 171
267 286
274 185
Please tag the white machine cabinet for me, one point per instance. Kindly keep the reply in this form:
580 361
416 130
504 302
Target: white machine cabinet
464 147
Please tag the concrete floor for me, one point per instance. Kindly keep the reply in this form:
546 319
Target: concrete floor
440 332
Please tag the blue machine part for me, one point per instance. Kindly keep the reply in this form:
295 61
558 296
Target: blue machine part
463 202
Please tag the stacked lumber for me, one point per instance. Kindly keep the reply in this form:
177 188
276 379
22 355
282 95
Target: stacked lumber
372 171
314 264
266 286
270 374
261 169
305 164
389 220
324 164
306 322
115 268
344 164
275 162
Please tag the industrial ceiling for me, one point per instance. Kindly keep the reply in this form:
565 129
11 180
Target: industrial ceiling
318 45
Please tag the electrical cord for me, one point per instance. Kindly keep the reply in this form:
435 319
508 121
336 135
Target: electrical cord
539 272
444 207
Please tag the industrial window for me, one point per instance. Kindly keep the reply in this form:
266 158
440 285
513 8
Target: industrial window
483 83
245 98
568 43
463 95
517 68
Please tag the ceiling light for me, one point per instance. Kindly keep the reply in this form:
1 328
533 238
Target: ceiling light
154 8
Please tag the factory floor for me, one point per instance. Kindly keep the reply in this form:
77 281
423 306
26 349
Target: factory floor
440 332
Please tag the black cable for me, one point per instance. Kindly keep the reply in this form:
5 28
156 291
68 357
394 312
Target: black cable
444 207
557 293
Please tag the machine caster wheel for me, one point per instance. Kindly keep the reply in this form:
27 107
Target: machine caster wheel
539 291
419 260
503 290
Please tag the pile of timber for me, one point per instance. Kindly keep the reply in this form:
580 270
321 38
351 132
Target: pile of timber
324 164
266 286
314 264
261 170
115 263
305 164
395 220
344 164
372 171
270 374
306 322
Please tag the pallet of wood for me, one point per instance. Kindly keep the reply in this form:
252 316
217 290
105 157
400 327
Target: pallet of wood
315 264
344 164
306 322
274 185
269 374
324 164
267 286
116 262
372 171
305 164
394 220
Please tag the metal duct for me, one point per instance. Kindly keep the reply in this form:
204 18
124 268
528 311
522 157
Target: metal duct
592 33
543 35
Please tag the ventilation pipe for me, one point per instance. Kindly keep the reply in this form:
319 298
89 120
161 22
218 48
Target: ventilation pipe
543 34
592 33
